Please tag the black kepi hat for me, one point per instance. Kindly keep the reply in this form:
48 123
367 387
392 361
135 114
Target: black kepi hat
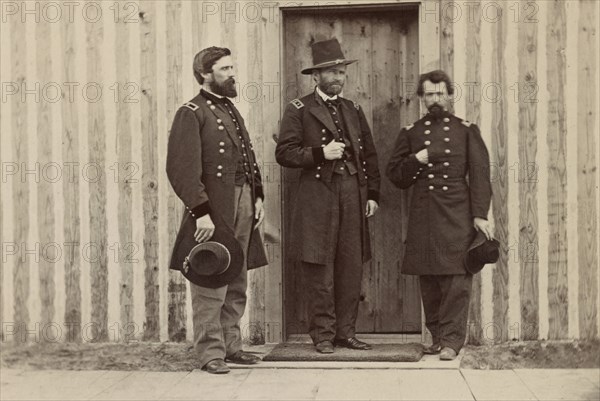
326 53
214 263
481 252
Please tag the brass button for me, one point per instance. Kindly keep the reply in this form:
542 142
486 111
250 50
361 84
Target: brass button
212 107
341 168
427 132
221 128
445 188
323 130
415 177
431 187
317 175
446 128
219 121
427 122
219 174
429 164
208 102
221 143
446 139
324 138
219 167
445 176
318 167
446 164
430 176
447 151
446 119
427 143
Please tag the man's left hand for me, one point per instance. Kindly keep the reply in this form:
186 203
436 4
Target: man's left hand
372 207
259 213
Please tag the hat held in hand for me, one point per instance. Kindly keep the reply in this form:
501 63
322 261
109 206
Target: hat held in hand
481 252
214 263
326 53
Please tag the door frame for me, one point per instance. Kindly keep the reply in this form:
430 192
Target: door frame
429 59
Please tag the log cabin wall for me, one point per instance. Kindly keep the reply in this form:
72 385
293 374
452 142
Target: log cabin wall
89 90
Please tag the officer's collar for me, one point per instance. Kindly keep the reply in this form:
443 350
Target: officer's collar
443 114
212 96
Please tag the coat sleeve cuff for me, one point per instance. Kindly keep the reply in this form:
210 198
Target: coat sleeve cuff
318 154
201 210
373 195
259 193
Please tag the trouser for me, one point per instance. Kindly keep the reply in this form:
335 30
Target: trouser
217 311
446 304
333 289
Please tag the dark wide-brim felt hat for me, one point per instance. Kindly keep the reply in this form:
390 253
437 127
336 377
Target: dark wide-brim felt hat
481 252
327 53
214 263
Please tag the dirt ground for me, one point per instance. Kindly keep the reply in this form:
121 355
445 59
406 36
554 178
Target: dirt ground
170 357
533 354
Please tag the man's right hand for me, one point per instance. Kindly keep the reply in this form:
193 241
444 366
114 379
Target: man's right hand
334 150
205 228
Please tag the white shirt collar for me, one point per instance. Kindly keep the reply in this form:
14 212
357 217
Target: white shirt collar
212 93
324 96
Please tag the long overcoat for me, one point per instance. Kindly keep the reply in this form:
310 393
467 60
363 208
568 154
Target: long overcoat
449 192
202 157
306 128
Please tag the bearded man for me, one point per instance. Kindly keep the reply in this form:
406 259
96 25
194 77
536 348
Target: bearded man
328 137
445 160
213 169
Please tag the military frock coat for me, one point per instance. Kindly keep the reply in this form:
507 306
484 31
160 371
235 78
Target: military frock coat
202 157
449 191
306 128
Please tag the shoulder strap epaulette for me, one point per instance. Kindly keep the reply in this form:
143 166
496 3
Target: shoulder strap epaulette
467 123
409 127
297 103
191 106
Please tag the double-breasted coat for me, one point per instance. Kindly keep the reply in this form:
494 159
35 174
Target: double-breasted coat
449 192
306 128
202 157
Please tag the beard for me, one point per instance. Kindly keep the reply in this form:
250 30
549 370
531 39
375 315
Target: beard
331 88
227 88
436 109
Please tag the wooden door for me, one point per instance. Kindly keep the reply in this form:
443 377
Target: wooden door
383 82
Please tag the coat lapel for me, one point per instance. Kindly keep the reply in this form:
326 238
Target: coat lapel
321 113
221 113
352 123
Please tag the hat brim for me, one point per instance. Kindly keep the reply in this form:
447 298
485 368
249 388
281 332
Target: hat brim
471 263
309 70
225 237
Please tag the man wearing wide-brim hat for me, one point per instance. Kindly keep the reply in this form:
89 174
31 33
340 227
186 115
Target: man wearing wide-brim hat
327 136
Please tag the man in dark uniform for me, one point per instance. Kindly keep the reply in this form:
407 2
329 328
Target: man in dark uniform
329 138
447 162
212 168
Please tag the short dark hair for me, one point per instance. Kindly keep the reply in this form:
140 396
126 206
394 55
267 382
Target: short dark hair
205 59
435 77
